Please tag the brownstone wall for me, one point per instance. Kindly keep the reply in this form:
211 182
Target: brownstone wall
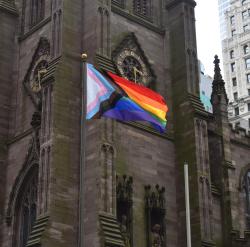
240 161
150 160
8 18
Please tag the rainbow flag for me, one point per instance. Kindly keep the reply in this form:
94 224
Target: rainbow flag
132 102
149 101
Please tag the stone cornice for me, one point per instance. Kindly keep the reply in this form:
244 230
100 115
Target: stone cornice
20 136
173 3
151 130
34 29
8 8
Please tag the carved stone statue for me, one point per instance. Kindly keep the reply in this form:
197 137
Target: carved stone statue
157 239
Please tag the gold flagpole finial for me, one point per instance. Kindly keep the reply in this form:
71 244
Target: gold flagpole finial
84 57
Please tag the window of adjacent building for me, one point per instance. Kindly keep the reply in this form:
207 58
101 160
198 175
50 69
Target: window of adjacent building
236 111
249 122
232 54
244 14
248 92
247 61
232 20
237 124
245 28
246 49
143 7
232 67
233 32
235 96
248 78
234 81
248 106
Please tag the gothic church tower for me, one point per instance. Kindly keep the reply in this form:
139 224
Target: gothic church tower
132 191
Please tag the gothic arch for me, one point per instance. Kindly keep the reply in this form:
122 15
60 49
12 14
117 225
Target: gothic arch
107 172
29 167
25 208
242 174
244 196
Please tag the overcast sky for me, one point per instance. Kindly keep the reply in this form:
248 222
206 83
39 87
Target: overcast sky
208 34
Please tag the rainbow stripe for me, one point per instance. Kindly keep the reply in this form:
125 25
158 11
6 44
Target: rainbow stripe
148 100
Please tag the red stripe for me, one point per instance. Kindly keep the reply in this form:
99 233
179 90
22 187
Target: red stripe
138 88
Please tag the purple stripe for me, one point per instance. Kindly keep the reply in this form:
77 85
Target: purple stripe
133 116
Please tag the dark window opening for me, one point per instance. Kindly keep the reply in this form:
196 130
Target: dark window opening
246 49
143 8
235 96
234 81
233 67
236 111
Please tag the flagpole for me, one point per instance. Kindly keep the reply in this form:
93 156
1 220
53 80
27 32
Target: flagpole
82 148
187 205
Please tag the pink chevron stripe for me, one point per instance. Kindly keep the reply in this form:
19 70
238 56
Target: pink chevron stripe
100 93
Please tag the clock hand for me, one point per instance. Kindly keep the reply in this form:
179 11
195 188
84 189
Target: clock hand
40 73
36 85
135 73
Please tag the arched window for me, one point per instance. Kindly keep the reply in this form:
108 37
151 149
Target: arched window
143 7
243 2
246 186
25 210
36 11
246 49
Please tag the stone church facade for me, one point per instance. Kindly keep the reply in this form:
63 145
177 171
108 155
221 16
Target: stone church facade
133 187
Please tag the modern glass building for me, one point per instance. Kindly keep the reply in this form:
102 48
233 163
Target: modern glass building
223 7
205 88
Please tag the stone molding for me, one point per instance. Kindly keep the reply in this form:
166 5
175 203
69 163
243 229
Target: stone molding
173 3
8 8
34 29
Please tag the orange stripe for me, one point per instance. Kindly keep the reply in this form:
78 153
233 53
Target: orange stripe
138 88
142 98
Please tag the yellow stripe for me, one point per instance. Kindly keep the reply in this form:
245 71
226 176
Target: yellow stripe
154 110
159 113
